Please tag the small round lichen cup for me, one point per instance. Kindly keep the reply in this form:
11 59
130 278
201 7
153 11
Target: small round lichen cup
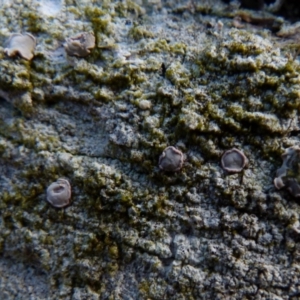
80 45
21 44
59 193
171 160
233 161
288 174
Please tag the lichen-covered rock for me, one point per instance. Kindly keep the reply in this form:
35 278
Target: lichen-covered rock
161 73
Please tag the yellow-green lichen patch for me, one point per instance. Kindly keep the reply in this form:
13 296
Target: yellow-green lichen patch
157 46
33 22
15 75
100 19
103 95
178 74
178 48
140 32
128 7
88 69
247 44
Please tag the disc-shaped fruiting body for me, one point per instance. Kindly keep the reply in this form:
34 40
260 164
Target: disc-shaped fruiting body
233 161
59 193
21 44
80 44
171 160
288 175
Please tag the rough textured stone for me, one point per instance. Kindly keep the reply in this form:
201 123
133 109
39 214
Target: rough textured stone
133 231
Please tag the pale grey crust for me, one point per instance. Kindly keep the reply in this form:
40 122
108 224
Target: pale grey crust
234 161
80 45
171 160
21 44
59 193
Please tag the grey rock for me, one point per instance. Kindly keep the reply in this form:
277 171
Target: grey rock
132 231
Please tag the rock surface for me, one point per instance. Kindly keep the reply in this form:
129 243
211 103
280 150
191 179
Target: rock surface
162 73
